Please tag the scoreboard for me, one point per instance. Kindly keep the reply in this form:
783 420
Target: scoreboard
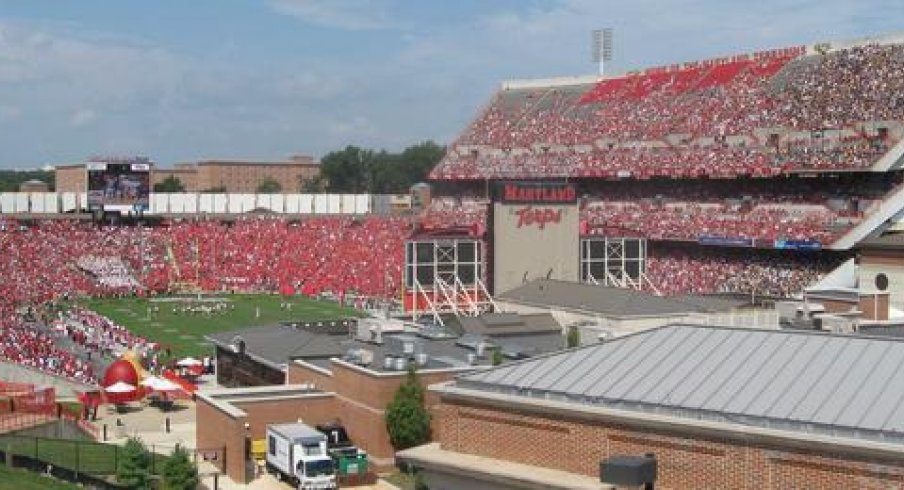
119 185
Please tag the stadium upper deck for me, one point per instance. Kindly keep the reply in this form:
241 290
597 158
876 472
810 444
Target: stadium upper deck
825 107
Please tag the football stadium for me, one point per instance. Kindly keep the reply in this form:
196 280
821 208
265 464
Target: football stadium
688 275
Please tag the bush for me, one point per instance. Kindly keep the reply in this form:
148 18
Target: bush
179 473
134 466
407 419
573 338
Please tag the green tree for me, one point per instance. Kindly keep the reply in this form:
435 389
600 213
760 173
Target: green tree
269 186
497 357
134 466
355 169
407 419
220 189
169 184
347 170
179 473
314 185
573 337
10 180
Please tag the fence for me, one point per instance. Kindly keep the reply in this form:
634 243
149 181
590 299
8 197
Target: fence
89 457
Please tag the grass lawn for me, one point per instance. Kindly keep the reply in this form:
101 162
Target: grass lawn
184 333
402 480
13 479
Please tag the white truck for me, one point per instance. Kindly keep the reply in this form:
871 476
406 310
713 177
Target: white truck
297 453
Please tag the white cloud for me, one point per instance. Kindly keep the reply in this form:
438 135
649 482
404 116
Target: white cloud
342 14
82 117
312 86
355 127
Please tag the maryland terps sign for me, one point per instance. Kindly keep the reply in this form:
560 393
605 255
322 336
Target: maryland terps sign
529 216
536 193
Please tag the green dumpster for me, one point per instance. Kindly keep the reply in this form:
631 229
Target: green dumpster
353 464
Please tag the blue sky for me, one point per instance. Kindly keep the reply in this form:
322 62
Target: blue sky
180 80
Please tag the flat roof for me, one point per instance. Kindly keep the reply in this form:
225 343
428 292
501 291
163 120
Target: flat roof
890 241
610 301
801 381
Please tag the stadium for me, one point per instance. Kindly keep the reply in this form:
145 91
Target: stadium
756 177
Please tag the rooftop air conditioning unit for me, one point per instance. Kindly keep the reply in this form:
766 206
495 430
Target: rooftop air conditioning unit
365 357
422 359
401 363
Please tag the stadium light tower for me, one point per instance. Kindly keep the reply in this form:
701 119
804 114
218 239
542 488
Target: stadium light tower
602 47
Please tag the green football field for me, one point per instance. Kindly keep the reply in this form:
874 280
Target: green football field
184 332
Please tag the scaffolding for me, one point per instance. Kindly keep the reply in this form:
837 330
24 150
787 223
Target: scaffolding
616 262
445 276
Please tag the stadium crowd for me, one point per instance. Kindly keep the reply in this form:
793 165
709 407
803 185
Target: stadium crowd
693 270
55 260
713 120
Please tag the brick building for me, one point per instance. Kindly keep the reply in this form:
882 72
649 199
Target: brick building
719 408
71 178
351 395
353 367
234 176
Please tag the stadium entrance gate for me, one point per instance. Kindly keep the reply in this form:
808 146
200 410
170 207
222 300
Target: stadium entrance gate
445 274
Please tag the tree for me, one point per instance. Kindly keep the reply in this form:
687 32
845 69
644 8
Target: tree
347 170
179 473
315 185
10 180
573 337
497 357
169 184
407 419
134 466
355 169
269 186
220 189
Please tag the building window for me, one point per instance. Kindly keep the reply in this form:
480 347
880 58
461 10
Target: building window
272 445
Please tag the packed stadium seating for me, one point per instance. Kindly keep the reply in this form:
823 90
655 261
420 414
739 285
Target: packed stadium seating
761 115
761 210
25 344
699 270
51 260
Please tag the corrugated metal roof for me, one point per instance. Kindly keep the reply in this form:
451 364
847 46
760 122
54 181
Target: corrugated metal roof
850 386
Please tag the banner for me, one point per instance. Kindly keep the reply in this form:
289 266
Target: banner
798 244
725 241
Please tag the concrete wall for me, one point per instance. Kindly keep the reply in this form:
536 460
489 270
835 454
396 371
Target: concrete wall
15 373
685 461
889 262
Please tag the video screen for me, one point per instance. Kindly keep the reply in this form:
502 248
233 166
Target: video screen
119 186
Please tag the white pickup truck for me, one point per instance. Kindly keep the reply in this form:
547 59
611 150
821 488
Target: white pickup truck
297 453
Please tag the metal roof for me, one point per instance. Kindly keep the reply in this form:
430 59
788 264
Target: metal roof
277 344
841 385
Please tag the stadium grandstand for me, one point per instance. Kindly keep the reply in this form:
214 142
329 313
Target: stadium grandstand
752 174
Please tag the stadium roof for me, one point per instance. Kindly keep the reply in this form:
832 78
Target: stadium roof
838 385
890 241
611 302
